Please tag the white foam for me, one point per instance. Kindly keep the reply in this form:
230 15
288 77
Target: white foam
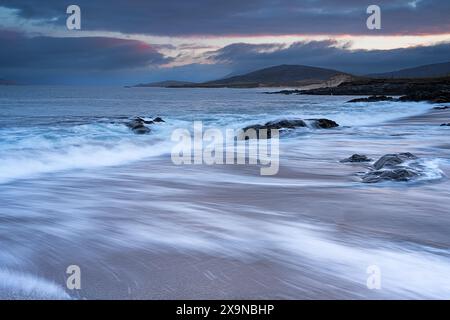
17 285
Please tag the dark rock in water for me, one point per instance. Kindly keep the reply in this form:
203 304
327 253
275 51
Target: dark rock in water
372 99
391 160
137 125
141 129
287 124
324 123
286 92
271 125
394 167
441 108
284 124
445 125
430 96
357 158
399 174
158 119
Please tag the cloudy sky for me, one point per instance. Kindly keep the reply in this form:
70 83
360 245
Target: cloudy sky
130 41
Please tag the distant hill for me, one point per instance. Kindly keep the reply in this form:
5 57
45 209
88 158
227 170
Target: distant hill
166 84
280 76
425 71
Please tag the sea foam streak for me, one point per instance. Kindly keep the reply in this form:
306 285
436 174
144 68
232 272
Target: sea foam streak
16 285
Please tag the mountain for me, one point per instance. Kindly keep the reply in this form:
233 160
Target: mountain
166 84
281 76
425 71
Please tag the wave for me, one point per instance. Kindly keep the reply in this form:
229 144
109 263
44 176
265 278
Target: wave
29 152
407 270
17 285
32 150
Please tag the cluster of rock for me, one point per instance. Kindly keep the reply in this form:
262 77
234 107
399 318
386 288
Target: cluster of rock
372 99
390 167
138 124
286 124
441 108
429 96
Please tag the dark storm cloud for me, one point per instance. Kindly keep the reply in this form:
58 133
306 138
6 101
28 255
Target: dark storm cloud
99 53
36 59
243 57
237 17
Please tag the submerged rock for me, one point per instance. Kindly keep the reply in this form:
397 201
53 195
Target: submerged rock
271 125
372 99
138 125
441 108
141 129
286 124
445 125
324 123
357 158
158 119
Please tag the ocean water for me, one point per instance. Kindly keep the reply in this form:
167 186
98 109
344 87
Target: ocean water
78 187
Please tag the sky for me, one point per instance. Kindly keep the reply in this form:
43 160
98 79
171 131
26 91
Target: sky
134 41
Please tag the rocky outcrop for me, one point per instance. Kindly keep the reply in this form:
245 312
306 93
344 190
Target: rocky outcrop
357 158
445 125
386 87
372 99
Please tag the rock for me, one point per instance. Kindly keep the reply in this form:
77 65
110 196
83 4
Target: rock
287 124
430 96
137 125
399 174
357 158
286 92
441 108
391 160
324 123
284 124
372 99
141 130
393 167
158 119
445 125
279 125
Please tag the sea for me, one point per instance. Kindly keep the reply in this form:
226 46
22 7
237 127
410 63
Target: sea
78 187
